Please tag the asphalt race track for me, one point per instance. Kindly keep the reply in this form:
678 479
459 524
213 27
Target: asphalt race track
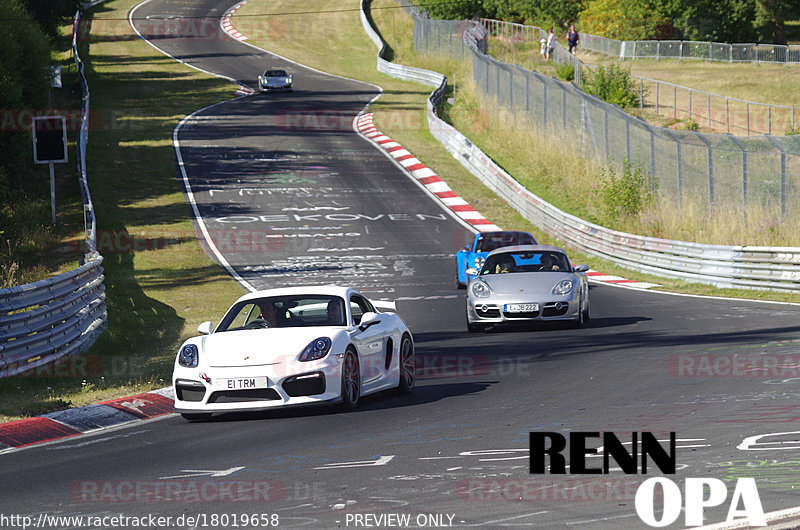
317 204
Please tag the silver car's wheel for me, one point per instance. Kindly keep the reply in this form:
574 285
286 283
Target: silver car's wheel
351 380
408 366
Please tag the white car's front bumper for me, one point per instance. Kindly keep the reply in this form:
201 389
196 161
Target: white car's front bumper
303 384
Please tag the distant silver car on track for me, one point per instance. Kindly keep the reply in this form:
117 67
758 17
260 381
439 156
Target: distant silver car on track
527 283
275 80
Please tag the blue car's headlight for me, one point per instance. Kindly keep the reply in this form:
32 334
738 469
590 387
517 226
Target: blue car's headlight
479 262
563 287
480 289
188 356
317 349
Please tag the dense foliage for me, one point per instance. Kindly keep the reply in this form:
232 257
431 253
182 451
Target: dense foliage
613 85
707 20
24 84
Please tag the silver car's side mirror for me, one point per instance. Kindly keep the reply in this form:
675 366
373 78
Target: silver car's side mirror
581 268
205 328
472 271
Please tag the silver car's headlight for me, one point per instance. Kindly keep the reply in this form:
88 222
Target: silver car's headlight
480 289
188 356
316 349
563 287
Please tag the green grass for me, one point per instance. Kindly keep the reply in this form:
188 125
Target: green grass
156 298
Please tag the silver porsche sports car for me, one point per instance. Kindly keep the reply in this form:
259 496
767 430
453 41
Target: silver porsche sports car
275 80
527 283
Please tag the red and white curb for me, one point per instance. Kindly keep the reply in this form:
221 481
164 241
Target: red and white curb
227 26
424 175
616 280
68 423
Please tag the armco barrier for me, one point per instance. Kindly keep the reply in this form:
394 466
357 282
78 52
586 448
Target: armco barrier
770 268
44 321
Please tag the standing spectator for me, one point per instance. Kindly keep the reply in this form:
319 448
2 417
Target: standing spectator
551 43
572 39
543 50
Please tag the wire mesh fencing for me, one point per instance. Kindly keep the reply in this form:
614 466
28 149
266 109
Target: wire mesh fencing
718 172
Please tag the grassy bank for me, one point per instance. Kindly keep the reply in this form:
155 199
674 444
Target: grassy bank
156 298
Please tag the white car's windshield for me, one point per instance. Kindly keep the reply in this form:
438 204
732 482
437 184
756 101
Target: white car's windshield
511 262
285 312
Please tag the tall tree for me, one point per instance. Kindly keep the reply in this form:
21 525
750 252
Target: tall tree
542 13
771 16
453 10
50 13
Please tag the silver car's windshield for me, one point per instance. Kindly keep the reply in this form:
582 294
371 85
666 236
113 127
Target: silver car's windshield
285 312
512 262
275 73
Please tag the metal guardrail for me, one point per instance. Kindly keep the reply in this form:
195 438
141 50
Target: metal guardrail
746 267
44 321
47 320
722 113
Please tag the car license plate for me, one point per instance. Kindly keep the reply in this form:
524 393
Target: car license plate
240 383
521 308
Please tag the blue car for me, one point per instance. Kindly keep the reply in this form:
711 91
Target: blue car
473 254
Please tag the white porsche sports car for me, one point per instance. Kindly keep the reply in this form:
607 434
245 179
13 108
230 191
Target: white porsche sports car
293 346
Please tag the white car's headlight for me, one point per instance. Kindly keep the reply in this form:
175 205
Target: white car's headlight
316 349
563 287
188 356
480 289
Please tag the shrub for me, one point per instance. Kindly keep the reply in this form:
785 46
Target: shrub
566 72
690 124
626 194
614 85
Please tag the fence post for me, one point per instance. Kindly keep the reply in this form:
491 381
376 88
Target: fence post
544 103
727 116
744 172
658 85
769 119
527 92
605 130
783 172
675 101
690 103
747 115
708 106
641 93
710 152
628 138
564 108
679 164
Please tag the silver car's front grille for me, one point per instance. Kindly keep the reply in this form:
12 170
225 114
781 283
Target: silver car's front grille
487 310
555 309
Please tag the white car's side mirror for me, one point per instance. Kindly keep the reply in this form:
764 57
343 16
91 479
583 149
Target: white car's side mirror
205 328
472 271
369 319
